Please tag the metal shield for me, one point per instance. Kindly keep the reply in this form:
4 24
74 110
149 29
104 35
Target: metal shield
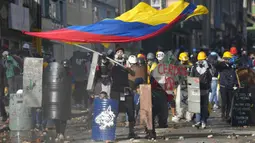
57 84
20 114
193 95
92 72
32 81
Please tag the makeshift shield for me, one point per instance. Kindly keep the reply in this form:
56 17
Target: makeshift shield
193 95
32 81
92 72
146 105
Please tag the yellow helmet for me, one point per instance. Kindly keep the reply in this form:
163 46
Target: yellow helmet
184 56
201 56
227 54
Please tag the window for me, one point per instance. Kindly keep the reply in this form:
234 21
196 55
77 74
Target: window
84 3
108 13
53 10
72 1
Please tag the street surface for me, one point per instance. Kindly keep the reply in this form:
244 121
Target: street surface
182 132
79 132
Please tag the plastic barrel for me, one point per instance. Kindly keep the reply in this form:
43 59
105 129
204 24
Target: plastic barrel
105 113
20 114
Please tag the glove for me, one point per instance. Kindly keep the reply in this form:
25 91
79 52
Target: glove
104 56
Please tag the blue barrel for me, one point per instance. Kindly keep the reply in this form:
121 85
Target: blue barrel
105 114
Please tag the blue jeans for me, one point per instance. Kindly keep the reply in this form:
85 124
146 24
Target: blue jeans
203 115
213 97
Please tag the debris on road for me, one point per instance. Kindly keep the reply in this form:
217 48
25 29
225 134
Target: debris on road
181 138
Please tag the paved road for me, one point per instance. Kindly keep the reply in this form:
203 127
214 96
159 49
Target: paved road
79 132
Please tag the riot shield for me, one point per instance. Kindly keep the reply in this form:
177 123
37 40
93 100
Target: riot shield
32 81
193 95
57 91
92 72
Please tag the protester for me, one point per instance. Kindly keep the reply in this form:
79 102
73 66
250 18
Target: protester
245 61
234 59
119 55
228 83
182 110
160 98
152 64
80 74
213 98
121 90
10 66
202 70
3 90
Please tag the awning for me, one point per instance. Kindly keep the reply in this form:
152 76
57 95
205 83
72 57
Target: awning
141 22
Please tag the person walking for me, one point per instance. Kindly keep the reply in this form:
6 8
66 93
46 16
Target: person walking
202 70
228 83
213 98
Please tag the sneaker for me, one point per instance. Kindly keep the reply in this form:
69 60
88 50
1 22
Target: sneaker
126 124
215 107
203 125
175 119
197 125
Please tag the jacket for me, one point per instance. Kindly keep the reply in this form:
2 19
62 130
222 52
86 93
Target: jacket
10 64
150 69
202 70
228 77
213 60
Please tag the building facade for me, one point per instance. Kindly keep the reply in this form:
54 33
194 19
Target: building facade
17 16
62 13
223 26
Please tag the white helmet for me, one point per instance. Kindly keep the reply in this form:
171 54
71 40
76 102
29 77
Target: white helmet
132 59
160 55
5 53
26 46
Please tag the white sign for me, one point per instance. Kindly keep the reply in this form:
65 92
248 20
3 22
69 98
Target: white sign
19 18
105 119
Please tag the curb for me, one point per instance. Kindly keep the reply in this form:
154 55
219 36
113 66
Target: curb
201 135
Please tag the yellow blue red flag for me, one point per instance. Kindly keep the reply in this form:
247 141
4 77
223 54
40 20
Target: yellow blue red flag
139 23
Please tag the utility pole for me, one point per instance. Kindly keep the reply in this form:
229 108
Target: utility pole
206 26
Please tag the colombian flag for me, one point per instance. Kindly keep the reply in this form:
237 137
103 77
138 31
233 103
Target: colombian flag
139 23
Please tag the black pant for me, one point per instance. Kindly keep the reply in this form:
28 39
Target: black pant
160 108
126 106
2 104
80 94
226 99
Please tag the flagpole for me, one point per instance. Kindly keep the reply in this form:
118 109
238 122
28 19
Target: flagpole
83 47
